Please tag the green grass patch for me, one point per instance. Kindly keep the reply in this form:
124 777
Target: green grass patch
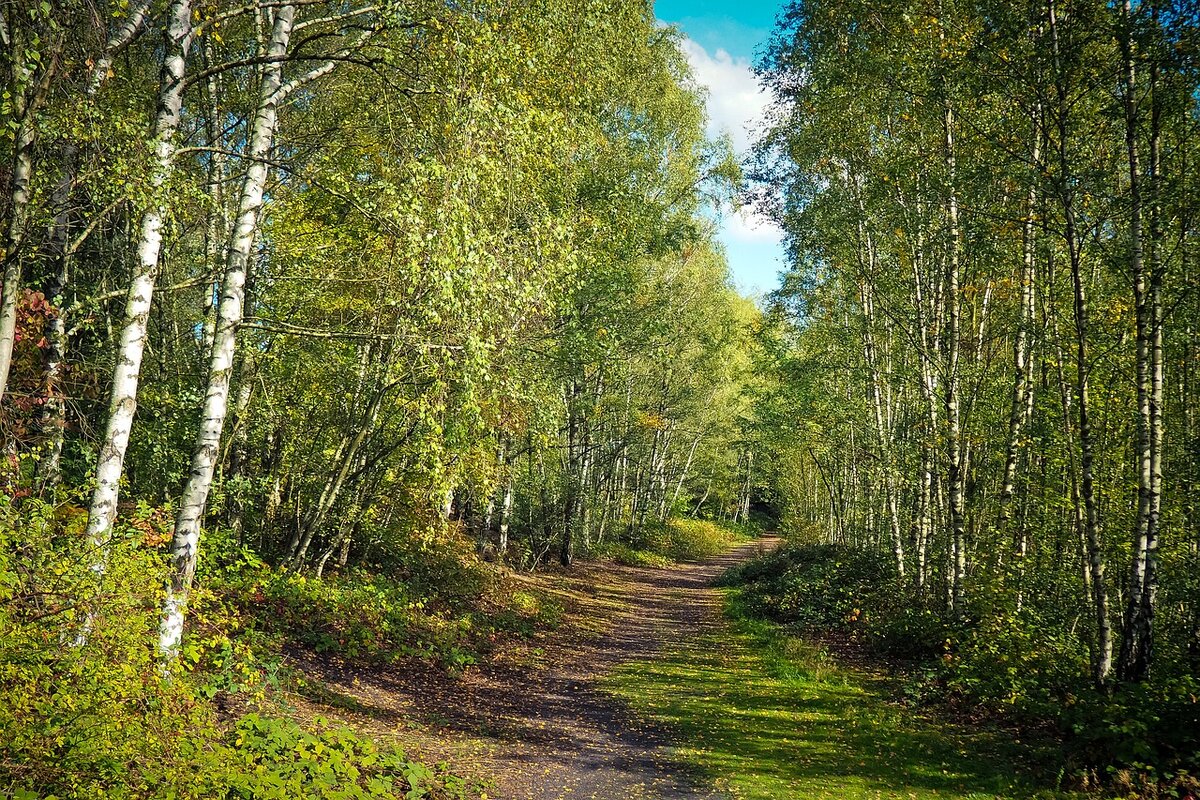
766 715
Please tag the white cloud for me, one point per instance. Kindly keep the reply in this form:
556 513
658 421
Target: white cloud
736 106
745 226
735 100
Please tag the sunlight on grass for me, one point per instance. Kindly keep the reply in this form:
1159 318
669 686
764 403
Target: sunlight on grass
765 715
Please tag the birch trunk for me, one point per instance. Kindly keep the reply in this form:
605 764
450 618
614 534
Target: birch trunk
955 478
1102 666
686 468
747 486
25 102
123 397
1021 404
185 543
923 523
505 518
882 429
53 421
217 224
237 452
573 477
53 418
928 319
1133 663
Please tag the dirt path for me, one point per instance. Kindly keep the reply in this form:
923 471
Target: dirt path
552 732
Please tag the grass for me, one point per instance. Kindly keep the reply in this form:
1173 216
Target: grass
765 715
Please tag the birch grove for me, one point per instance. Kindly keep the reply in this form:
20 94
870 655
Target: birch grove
320 321
1019 273
418 277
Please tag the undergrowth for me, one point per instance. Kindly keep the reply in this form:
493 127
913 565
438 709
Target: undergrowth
432 603
660 544
88 711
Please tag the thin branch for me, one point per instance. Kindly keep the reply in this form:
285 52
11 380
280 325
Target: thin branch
276 326
316 72
97 218
335 18
314 181
100 298
246 9
255 61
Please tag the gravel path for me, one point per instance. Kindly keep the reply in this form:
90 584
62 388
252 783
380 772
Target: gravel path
549 733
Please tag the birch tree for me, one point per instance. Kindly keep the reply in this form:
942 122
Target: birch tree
186 539
178 36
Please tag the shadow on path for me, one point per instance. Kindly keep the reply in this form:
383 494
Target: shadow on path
555 733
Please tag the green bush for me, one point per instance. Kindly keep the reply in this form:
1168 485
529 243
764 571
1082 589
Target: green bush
817 585
440 563
685 539
1146 728
244 612
87 711
1015 660
276 759
914 632
631 557
84 708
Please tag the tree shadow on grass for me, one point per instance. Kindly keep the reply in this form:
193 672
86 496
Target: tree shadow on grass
816 733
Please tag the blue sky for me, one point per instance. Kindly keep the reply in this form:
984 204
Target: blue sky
722 40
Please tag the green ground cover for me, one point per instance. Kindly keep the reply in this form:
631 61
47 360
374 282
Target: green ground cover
768 716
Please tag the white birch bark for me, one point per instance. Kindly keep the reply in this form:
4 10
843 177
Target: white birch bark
955 472
1102 661
22 176
881 414
25 103
1021 405
186 540
132 344
135 18
1136 642
53 422
687 468
505 518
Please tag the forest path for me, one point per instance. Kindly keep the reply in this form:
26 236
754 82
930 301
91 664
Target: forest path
551 728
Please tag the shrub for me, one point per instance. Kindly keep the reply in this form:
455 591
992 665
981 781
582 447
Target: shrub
438 562
684 540
276 759
243 612
1145 729
632 557
817 585
696 539
914 632
87 712
1143 739
1014 661
84 707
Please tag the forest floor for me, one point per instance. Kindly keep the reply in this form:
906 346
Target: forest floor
647 690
